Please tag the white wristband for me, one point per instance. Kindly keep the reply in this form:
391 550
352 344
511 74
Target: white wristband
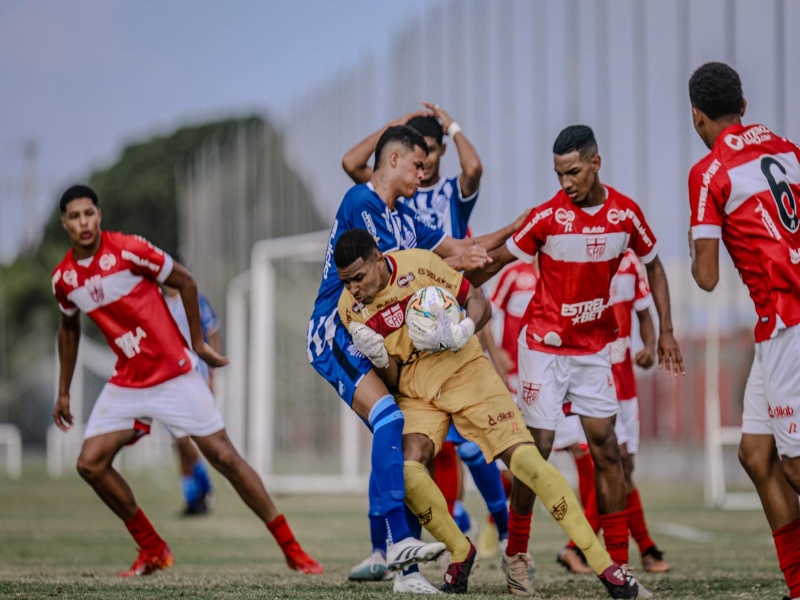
453 129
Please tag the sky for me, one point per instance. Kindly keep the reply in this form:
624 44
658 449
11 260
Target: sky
80 79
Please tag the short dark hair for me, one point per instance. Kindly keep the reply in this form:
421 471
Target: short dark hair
352 245
715 89
429 127
75 193
576 138
405 135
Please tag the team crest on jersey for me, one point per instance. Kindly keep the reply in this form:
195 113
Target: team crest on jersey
71 278
565 218
94 285
595 247
530 392
393 316
405 280
107 261
358 307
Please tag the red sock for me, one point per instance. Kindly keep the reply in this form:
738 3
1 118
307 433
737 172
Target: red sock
519 532
787 543
636 522
143 532
585 466
280 529
446 474
615 534
592 512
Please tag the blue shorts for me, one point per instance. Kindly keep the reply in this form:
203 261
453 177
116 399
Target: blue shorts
341 364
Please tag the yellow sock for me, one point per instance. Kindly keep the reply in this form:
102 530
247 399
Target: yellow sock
425 500
530 467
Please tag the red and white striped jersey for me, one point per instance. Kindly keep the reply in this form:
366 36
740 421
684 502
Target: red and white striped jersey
515 287
629 292
746 191
579 253
118 289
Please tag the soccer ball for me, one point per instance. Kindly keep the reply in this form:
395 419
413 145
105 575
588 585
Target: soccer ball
421 313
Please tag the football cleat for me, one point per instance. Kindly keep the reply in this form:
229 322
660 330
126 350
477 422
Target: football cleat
412 583
517 570
456 578
653 561
202 506
372 568
150 561
411 550
572 560
619 583
298 560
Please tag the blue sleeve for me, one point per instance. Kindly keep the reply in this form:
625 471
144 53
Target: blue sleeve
208 318
362 209
427 238
461 208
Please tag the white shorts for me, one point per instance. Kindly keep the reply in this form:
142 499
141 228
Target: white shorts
548 380
184 404
569 432
772 395
627 427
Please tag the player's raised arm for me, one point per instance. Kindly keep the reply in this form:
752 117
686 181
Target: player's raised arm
355 162
182 280
669 354
471 167
69 335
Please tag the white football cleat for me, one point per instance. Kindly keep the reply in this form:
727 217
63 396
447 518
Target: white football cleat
412 583
411 550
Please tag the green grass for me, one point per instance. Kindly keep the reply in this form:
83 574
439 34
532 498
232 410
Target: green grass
57 540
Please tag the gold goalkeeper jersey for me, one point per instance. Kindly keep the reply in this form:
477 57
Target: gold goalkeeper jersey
422 373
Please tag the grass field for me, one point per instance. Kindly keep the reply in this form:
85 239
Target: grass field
57 540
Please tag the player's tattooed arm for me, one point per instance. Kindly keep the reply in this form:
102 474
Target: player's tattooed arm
69 335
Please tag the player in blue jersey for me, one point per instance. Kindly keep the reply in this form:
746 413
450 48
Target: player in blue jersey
195 481
443 204
399 166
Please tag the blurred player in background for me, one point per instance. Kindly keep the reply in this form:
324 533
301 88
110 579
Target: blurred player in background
114 279
445 376
580 236
373 206
443 204
746 192
195 482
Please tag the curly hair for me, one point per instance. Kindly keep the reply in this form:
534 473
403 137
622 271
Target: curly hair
715 89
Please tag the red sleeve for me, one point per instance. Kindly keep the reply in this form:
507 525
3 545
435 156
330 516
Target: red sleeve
145 259
525 243
642 240
463 292
707 183
60 292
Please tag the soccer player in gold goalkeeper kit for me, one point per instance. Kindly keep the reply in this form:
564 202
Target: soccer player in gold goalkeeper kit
458 383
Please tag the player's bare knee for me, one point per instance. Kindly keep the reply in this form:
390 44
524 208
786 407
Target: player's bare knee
419 448
90 470
755 460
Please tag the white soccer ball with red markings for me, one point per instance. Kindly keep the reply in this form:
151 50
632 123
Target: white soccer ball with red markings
422 317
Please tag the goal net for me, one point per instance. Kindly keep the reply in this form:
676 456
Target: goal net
288 421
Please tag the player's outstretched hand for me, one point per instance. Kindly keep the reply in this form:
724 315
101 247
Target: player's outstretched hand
370 343
211 357
645 358
669 355
61 413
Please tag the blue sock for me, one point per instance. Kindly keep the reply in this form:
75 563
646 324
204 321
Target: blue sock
489 483
377 523
200 474
415 530
461 516
386 422
191 493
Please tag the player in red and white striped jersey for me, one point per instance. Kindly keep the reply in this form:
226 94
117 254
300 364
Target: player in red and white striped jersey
114 278
580 236
746 192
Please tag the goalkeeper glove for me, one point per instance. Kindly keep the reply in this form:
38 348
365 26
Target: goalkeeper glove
454 335
370 343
